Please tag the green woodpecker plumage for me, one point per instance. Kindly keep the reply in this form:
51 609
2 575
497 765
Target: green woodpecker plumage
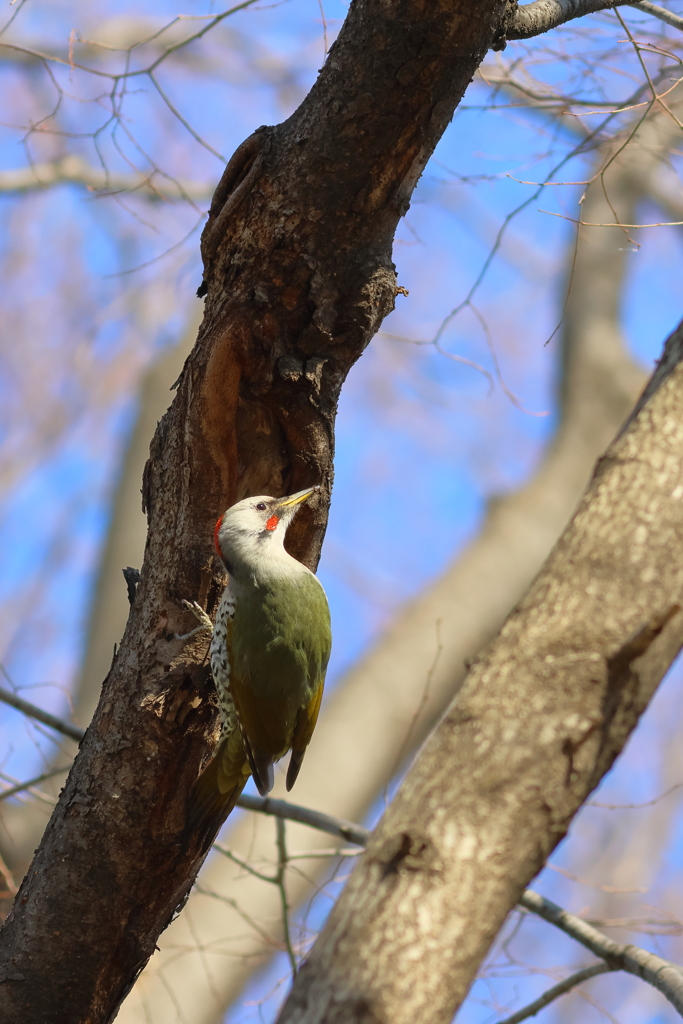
269 653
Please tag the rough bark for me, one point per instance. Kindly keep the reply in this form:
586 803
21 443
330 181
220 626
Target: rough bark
23 825
299 277
540 719
352 757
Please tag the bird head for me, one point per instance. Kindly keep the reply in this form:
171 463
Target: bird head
255 526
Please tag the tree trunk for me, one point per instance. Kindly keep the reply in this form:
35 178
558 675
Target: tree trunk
298 275
540 719
353 757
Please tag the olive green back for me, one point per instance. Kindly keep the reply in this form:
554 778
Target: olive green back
281 639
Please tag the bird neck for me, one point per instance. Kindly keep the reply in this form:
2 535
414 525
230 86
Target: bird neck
262 561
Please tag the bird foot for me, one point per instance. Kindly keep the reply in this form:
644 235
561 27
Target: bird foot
200 614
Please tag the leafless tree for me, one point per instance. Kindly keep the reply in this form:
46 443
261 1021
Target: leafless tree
294 415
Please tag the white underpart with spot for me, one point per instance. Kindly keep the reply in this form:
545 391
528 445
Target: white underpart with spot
220 663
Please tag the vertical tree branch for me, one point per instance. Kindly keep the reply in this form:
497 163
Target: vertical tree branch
282 861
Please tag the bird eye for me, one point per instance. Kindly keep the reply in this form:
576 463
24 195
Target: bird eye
261 506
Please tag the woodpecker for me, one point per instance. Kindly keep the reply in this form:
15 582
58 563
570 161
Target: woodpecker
269 652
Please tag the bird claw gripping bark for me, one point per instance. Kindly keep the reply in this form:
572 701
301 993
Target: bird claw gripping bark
201 616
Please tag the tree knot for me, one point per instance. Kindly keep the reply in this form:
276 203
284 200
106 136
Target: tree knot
407 852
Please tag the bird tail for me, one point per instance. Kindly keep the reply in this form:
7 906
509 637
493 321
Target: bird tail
215 792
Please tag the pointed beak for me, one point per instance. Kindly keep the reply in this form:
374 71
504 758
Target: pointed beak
298 498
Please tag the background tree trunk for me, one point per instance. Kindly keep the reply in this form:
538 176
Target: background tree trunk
540 719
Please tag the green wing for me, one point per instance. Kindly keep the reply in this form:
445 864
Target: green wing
281 642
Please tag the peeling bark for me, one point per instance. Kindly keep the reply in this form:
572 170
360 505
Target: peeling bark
299 277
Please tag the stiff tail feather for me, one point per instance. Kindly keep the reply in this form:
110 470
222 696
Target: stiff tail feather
215 792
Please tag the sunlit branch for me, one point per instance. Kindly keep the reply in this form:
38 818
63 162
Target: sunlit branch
573 981
75 171
663 975
675 20
347 830
542 15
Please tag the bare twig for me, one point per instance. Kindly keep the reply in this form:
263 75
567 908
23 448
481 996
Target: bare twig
244 865
631 807
560 989
68 61
20 787
8 886
41 797
331 851
76 171
542 15
663 975
347 830
645 925
41 716
280 882
656 11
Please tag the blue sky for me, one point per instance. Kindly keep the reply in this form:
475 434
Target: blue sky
418 432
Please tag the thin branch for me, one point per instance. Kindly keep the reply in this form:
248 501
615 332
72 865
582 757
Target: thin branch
75 171
631 807
41 716
612 224
675 20
280 882
542 15
8 886
590 141
663 975
645 925
43 798
213 20
68 61
22 786
186 124
573 981
347 830
244 865
332 851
